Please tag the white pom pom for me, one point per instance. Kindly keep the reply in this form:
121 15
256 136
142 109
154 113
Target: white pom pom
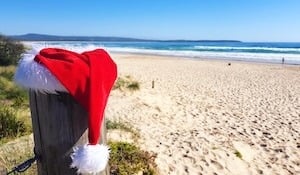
90 158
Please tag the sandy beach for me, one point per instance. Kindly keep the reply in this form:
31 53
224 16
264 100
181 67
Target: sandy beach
206 117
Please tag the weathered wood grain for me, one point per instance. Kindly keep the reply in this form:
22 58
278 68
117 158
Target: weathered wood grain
59 123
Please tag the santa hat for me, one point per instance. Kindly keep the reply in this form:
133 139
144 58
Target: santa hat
88 77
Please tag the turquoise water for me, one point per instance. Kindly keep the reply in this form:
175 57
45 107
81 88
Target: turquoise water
244 51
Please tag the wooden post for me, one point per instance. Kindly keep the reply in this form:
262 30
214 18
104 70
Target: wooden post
59 123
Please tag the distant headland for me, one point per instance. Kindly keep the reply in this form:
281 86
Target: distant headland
44 37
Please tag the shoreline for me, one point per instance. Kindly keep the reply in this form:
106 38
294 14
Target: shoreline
225 60
205 117
246 52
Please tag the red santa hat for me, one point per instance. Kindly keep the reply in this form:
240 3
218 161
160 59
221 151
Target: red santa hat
88 77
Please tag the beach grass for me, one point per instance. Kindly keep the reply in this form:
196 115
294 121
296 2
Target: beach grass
11 127
14 111
126 83
15 152
126 158
124 127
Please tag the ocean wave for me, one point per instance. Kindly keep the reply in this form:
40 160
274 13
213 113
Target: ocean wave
275 49
239 56
290 58
73 46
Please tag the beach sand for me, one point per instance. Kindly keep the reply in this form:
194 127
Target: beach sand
206 117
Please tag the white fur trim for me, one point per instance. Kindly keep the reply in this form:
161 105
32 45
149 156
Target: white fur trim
32 75
90 158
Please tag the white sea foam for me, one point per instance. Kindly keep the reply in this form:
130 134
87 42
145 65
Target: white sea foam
73 46
241 56
248 48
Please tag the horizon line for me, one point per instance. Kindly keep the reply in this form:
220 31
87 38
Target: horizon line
142 39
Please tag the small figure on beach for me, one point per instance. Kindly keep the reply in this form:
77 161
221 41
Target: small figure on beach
282 60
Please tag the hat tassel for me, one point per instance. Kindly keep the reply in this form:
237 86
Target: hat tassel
90 158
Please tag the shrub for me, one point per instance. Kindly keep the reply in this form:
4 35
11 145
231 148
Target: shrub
7 74
14 120
9 125
119 83
126 84
133 86
128 159
122 126
16 92
117 125
11 93
10 51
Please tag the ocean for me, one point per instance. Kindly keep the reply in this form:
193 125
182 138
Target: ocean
267 52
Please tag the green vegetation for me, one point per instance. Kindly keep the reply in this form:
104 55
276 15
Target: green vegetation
128 159
126 83
14 111
133 86
122 126
10 51
10 126
9 91
238 154
116 125
7 72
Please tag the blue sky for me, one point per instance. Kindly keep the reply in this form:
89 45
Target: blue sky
246 20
